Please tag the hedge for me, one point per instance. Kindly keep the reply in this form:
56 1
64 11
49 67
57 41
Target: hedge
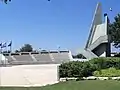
84 69
104 63
75 69
111 72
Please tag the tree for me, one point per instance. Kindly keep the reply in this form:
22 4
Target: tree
79 56
114 29
26 48
16 51
43 50
6 1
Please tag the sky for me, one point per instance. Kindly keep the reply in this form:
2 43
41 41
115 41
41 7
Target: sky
47 25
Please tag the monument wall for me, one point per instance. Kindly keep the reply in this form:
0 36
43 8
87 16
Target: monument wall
29 75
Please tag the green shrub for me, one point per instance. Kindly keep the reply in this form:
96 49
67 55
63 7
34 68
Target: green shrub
84 69
104 63
111 72
75 69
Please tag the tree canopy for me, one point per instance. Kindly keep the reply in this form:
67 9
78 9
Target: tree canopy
115 31
6 1
26 48
79 56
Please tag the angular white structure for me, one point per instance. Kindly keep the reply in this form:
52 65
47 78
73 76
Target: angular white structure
98 44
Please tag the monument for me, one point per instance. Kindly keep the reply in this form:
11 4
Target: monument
98 43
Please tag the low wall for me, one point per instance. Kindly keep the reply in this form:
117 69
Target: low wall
29 75
82 60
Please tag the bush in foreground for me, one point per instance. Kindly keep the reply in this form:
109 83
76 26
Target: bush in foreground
84 69
111 72
104 63
75 69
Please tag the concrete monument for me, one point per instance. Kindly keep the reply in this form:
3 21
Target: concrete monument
98 43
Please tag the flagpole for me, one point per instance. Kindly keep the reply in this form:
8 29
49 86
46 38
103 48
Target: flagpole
1 49
10 48
10 45
6 49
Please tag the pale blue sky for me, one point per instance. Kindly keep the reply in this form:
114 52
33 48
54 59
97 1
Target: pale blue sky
46 25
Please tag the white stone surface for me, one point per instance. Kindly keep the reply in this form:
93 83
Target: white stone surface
29 75
100 31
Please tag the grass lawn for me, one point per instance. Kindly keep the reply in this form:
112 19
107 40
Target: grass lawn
76 85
